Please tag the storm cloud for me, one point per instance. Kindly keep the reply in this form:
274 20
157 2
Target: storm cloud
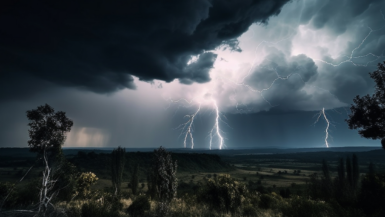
130 72
100 45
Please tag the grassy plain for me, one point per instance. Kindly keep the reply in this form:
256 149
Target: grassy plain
273 171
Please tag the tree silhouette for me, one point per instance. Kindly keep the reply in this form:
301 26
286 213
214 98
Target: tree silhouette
135 180
117 167
349 171
47 134
48 129
164 182
356 171
368 112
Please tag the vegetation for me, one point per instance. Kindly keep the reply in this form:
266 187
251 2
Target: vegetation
206 185
117 167
135 180
163 182
47 134
368 112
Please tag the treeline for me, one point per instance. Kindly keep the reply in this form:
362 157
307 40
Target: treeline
349 193
100 163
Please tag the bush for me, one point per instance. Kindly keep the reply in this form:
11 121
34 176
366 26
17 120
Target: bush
249 211
73 211
139 206
19 196
301 207
84 183
99 209
7 196
270 201
223 194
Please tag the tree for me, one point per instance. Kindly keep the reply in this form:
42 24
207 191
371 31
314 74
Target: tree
223 194
372 195
341 171
163 179
135 180
368 112
47 133
48 130
326 182
349 172
356 171
117 167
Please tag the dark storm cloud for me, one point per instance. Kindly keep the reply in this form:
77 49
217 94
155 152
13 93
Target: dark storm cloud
198 71
99 45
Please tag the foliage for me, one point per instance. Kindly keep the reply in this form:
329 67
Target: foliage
356 172
285 193
6 197
12 196
99 209
270 201
163 176
249 211
372 195
223 194
368 112
84 182
140 205
135 180
162 179
302 207
117 167
67 177
342 189
47 129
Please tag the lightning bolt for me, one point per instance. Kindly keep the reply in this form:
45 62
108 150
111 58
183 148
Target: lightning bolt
351 56
216 128
187 128
322 113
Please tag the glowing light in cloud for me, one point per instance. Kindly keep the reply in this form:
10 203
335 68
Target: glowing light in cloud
230 79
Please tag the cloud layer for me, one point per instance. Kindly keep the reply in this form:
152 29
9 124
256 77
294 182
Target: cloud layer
314 54
100 45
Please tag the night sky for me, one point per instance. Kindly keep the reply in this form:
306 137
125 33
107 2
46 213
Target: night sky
136 73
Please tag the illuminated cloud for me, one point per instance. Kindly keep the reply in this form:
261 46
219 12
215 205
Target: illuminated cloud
268 65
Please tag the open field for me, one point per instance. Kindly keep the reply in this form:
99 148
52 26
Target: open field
279 170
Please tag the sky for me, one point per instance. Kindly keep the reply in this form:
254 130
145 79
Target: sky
193 73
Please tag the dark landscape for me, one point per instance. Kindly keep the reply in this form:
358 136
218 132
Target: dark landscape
201 108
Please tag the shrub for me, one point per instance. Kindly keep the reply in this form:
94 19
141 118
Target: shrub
84 183
270 201
7 196
12 196
73 211
99 209
139 206
249 211
302 207
223 194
